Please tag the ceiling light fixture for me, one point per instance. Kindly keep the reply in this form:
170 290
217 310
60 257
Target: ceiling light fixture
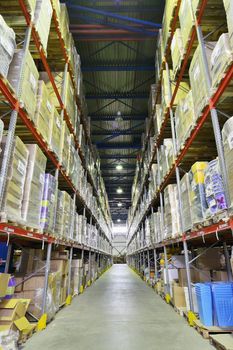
119 167
119 204
118 220
119 190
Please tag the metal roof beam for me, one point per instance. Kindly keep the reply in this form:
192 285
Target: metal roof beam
116 133
118 157
126 68
119 145
106 118
120 95
113 15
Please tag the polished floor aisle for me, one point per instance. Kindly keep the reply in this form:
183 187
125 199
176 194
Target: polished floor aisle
118 312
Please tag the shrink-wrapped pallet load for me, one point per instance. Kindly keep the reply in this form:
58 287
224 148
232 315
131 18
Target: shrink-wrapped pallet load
29 84
228 4
42 21
158 117
48 204
198 78
65 146
187 12
186 204
197 192
168 16
177 51
15 181
63 214
168 85
227 136
151 101
44 113
184 119
56 5
159 56
34 185
7 47
56 136
65 87
221 60
64 25
214 189
171 215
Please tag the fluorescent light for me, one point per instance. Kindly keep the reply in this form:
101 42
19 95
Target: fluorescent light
119 190
119 167
118 220
119 204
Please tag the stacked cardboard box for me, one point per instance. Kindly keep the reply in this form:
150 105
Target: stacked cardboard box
187 12
167 20
177 51
34 184
184 119
171 218
14 190
76 275
197 192
44 112
186 203
29 84
7 47
42 21
228 4
198 80
65 142
48 205
62 228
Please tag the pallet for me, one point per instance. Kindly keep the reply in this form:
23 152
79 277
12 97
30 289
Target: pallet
222 341
206 331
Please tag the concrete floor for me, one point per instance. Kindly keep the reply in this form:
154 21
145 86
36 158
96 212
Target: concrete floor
118 312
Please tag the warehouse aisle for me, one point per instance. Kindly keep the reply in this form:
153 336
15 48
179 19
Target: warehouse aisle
119 312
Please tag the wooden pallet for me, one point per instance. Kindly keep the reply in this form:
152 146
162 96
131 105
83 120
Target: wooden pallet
222 341
206 331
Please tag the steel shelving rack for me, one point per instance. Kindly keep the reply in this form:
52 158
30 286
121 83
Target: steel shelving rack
219 233
13 234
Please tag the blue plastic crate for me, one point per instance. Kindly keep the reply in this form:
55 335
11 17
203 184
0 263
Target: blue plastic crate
205 303
223 303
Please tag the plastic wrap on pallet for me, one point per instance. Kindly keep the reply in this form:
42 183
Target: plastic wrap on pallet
42 21
64 25
171 215
186 204
187 21
7 47
44 112
64 85
1 132
184 119
65 146
221 59
228 4
168 85
13 193
159 56
158 118
197 192
56 5
227 136
198 79
177 51
34 184
47 213
29 84
214 189
62 227
167 20
56 136
151 102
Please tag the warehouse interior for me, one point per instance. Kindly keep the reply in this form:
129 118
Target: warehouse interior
116 168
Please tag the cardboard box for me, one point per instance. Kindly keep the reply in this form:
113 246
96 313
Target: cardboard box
12 309
59 265
182 277
210 259
178 296
202 276
4 280
220 276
